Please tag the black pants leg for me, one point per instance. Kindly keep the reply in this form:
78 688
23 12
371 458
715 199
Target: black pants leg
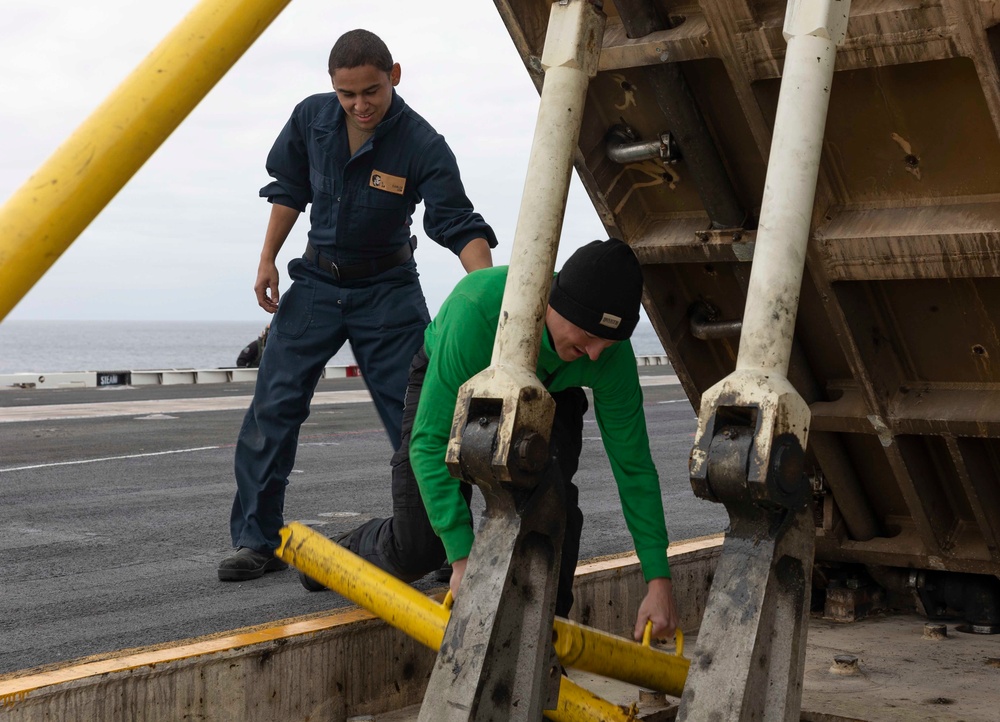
406 545
567 444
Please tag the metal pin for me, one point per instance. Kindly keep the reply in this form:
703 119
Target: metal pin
935 632
845 664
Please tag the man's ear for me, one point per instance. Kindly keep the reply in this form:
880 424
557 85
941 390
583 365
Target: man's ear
394 74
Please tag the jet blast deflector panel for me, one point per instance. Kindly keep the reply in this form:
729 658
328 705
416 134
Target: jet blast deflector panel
897 343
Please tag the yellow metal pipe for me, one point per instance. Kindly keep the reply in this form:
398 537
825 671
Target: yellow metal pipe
605 654
577 704
363 583
422 618
46 214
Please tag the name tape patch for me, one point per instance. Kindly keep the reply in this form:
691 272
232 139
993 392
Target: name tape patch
611 321
386 182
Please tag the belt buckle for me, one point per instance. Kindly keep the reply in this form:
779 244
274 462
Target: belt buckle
334 271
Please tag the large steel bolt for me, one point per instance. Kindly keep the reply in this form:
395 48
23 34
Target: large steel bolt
935 632
788 464
531 452
845 664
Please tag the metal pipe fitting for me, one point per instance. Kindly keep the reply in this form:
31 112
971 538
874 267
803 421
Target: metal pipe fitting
686 123
706 326
622 146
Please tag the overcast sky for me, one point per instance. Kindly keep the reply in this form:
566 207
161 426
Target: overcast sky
182 239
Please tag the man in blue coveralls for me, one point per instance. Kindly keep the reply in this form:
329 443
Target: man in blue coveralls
363 159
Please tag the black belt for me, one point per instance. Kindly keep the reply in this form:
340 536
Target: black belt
365 269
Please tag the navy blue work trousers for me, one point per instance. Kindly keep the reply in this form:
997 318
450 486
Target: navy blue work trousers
406 546
383 317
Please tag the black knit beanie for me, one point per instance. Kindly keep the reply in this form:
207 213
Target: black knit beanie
599 289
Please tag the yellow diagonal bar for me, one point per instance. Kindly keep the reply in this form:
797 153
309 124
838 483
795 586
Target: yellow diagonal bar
46 214
577 704
363 583
422 618
605 654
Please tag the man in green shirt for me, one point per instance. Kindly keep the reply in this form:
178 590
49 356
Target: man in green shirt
593 310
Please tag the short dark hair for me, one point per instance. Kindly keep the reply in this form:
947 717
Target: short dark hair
360 47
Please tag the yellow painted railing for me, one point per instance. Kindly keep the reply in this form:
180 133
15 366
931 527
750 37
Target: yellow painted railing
46 214
425 620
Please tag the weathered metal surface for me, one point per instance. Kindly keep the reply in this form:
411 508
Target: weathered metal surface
752 643
897 337
754 425
496 659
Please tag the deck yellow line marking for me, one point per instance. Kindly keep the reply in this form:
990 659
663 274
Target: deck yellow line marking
17 689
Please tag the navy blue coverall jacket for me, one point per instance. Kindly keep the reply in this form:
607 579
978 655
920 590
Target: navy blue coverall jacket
352 217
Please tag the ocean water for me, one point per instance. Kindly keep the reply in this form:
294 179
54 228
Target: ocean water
57 346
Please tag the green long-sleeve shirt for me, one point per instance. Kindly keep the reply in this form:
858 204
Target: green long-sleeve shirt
459 344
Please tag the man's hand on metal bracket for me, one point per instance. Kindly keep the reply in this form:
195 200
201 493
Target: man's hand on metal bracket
658 607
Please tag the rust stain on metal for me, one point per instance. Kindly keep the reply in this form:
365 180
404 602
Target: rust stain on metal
628 92
911 161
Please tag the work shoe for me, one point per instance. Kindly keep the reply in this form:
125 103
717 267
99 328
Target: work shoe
311 584
247 564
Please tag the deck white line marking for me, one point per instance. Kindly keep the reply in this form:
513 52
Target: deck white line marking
106 409
659 381
109 458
